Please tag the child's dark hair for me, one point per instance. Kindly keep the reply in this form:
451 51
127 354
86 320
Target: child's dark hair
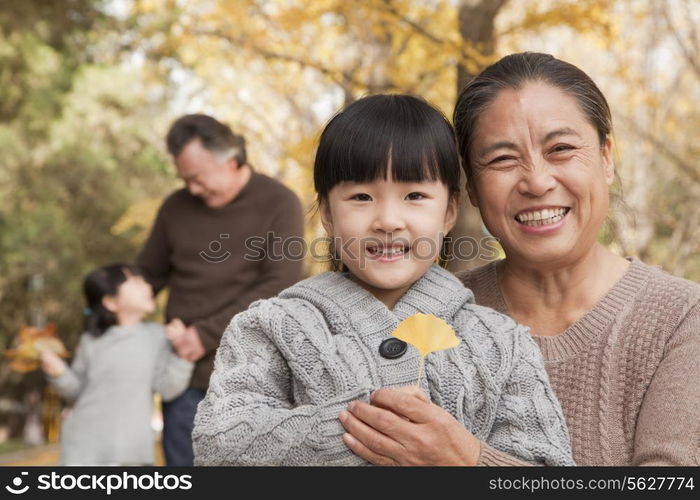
98 284
387 134
363 140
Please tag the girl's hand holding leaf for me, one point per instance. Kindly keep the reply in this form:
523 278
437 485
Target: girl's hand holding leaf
52 365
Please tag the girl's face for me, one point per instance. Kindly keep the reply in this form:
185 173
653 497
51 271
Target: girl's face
541 176
388 233
134 296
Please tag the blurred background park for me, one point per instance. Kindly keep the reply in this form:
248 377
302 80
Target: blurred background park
88 89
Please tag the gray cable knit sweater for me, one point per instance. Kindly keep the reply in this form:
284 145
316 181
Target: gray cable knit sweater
288 365
112 379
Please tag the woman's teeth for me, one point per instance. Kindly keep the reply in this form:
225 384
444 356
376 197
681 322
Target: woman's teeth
542 217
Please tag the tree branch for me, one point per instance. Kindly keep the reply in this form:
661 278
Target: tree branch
331 73
690 55
684 166
466 52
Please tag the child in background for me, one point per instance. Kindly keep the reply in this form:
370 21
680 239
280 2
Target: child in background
387 176
119 362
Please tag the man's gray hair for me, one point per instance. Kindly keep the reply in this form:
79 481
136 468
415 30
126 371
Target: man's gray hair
217 137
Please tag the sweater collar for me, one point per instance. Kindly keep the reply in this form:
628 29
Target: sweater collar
593 324
345 304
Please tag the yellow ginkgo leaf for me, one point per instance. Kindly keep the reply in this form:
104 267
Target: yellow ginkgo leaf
427 333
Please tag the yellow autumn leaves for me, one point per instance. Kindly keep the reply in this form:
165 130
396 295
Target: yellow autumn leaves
427 333
30 343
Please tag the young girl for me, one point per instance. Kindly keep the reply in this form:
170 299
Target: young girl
119 362
387 178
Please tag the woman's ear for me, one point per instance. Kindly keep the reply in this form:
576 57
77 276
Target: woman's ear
608 162
452 212
110 303
326 217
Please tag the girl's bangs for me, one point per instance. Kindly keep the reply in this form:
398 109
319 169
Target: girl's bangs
392 137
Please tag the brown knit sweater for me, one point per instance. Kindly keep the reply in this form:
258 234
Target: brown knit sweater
627 373
198 253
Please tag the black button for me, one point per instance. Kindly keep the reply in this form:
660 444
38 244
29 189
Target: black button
392 348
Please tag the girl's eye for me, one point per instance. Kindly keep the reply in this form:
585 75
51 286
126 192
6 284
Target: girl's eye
361 197
415 196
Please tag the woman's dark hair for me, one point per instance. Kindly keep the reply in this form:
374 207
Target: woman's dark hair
386 134
217 137
514 71
361 142
98 284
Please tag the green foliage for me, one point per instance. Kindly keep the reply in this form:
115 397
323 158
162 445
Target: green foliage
77 148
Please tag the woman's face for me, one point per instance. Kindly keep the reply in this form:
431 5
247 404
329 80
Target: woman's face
541 177
388 233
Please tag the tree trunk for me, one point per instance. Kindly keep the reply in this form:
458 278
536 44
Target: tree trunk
476 25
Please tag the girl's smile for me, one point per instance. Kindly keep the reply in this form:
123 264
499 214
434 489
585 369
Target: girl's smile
390 252
389 233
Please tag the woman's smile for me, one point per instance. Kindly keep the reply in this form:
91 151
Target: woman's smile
542 220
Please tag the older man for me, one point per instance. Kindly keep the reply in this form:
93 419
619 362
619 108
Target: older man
217 245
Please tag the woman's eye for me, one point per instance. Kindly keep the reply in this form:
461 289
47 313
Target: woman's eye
561 147
415 196
361 197
500 159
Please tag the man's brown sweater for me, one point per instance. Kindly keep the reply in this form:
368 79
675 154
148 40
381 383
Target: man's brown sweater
626 374
216 261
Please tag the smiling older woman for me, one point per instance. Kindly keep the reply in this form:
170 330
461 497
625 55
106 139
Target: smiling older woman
620 339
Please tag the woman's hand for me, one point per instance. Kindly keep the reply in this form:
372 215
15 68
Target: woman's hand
52 364
402 427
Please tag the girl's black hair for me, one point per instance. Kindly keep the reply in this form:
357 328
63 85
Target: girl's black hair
387 134
384 134
98 284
